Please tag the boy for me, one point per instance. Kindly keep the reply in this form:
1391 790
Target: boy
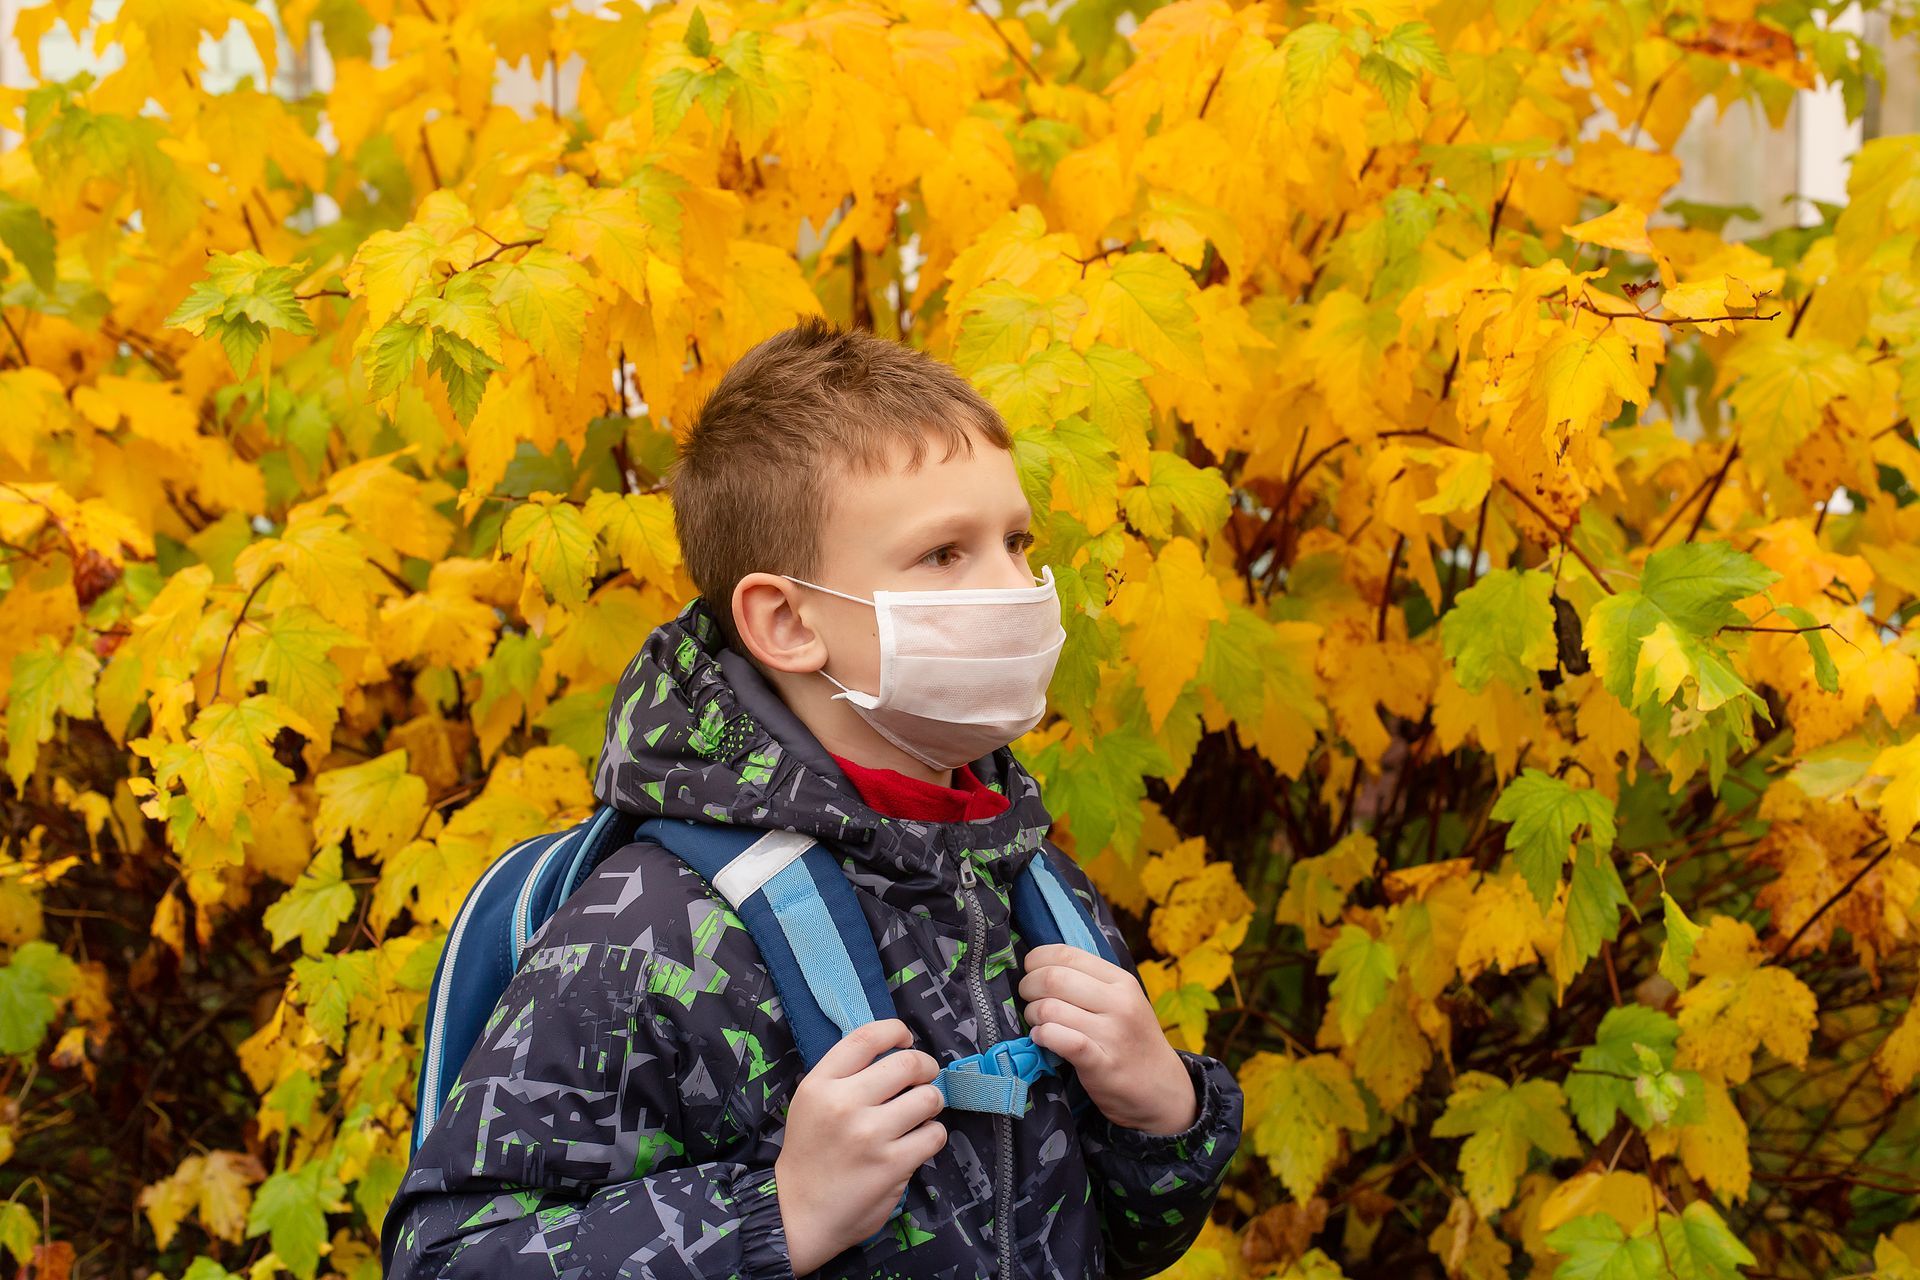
642 1110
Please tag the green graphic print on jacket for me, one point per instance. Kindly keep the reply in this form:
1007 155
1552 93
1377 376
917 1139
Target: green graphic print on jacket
621 1114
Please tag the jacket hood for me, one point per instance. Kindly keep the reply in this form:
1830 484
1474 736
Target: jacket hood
695 731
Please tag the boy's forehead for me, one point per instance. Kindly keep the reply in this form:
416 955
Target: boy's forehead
901 496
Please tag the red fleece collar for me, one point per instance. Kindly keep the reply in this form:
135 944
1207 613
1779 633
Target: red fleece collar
895 794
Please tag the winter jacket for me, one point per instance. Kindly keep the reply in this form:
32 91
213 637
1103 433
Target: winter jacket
621 1114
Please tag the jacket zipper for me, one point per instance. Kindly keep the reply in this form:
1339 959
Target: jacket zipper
990 1036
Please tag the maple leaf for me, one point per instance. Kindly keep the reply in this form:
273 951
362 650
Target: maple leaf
1296 1108
1545 812
1501 627
1502 1124
1740 1004
1606 1079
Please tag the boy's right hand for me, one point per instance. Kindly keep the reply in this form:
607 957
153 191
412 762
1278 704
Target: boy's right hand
851 1144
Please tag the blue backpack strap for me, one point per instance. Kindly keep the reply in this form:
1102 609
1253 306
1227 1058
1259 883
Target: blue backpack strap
800 909
1046 910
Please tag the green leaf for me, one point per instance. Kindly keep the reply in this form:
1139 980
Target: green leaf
1699 1246
1598 1248
328 987
243 297
1177 487
1545 812
1311 50
1677 950
392 353
1412 45
1364 967
1501 627
1024 390
1692 586
28 236
30 982
48 679
1083 467
290 1209
1593 906
1395 83
1099 790
19 1232
699 43
1605 1079
1823 669
463 369
1117 400
1502 1124
315 907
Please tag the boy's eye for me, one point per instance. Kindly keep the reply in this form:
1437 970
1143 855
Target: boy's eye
939 556
1020 543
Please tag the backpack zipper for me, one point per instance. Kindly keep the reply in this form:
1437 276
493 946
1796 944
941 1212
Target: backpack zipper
990 1036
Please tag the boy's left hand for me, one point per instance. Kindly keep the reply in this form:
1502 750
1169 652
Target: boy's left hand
1096 1015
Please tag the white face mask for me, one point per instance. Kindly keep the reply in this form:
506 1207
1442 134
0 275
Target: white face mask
962 672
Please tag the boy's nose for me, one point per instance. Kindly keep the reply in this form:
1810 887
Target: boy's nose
1005 572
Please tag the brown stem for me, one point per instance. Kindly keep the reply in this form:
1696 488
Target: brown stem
1719 479
1565 539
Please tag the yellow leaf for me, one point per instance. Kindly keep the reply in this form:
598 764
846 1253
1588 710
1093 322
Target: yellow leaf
1624 227
1715 1149
1625 1197
380 802
1296 1109
1739 1005
1900 801
548 537
1167 617
637 528
1898 1057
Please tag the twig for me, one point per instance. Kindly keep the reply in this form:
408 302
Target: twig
1718 480
220 667
1843 891
1565 537
1018 56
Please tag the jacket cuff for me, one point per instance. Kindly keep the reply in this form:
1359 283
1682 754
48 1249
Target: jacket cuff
762 1231
1206 1143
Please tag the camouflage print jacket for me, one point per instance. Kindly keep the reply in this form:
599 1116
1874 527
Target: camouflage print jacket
622 1114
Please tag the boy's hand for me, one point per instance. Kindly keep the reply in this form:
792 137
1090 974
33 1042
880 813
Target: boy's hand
859 1125
1095 1014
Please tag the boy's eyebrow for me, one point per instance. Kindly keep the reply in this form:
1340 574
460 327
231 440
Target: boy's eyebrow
950 523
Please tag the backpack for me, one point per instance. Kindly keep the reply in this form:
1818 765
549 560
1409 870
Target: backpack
801 911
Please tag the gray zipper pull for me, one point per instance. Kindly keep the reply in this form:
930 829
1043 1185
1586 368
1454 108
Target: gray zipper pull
966 871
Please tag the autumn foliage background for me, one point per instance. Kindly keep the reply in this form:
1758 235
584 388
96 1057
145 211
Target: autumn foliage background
1490 693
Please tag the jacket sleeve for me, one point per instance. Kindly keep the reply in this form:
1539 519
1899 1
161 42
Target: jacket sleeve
572 1141
1154 1190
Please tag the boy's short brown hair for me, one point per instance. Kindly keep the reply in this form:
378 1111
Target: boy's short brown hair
803 406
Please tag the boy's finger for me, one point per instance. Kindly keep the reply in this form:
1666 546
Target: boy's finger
1059 953
861 1046
1074 986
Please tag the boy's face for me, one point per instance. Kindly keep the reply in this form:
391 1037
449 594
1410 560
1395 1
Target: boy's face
943 525
948 524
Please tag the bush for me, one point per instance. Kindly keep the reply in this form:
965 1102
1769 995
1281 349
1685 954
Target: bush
1491 678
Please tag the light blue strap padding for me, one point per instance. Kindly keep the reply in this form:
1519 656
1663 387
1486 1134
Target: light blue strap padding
1068 915
819 948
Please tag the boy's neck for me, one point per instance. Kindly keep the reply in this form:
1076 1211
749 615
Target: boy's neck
899 762
839 728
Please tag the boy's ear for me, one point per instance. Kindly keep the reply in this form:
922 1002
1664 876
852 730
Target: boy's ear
766 613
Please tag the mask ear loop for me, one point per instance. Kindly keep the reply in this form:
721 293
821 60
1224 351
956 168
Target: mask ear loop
845 693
